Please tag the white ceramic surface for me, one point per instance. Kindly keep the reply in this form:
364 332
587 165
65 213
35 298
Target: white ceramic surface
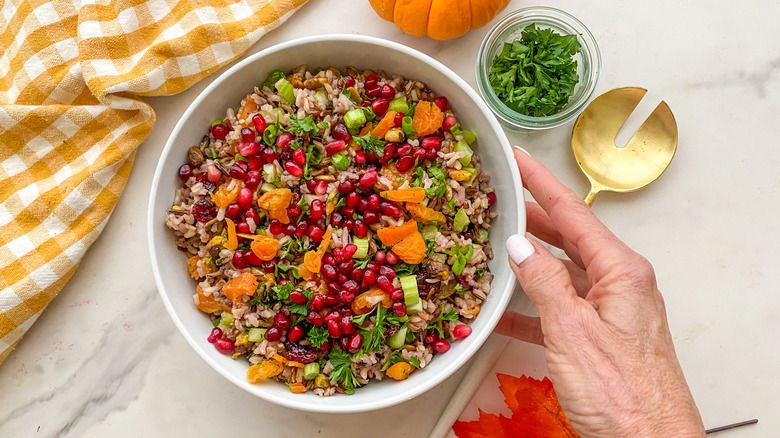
168 263
105 360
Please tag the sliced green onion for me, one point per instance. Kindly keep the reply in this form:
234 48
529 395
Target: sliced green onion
355 118
269 135
469 137
217 122
482 235
340 161
429 232
399 105
398 339
411 294
455 130
286 90
463 146
269 172
311 370
461 220
406 125
227 320
459 265
273 78
321 98
362 250
256 334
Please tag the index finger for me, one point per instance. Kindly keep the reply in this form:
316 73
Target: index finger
568 213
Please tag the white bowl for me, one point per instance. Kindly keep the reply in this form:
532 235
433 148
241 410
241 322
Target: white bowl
176 287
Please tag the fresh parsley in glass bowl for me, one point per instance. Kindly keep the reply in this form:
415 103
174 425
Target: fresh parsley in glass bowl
538 68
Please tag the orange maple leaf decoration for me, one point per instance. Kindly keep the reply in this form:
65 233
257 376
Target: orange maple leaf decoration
536 413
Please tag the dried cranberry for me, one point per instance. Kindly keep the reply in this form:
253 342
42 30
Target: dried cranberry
391 330
299 353
185 172
204 211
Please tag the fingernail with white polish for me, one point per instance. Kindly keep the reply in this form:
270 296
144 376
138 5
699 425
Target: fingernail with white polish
519 248
521 149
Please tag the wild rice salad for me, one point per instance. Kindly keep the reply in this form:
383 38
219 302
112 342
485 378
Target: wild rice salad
337 229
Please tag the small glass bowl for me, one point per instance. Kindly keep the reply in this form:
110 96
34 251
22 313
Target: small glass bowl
508 30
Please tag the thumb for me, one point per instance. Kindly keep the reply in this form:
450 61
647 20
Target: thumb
544 277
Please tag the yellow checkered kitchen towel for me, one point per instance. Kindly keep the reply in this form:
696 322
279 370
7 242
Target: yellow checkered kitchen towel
70 119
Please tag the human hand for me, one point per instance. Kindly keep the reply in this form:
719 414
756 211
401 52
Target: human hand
602 320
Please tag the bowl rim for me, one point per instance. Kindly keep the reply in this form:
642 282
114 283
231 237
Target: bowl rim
363 405
589 43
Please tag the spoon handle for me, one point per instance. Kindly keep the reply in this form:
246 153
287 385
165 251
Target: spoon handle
591 196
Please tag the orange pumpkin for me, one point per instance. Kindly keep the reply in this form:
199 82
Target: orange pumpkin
438 19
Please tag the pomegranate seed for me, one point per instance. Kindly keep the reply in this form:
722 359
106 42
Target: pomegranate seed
351 286
315 319
247 135
248 149
397 295
204 211
348 211
245 197
345 268
344 342
392 210
336 219
380 257
239 262
237 172
368 179
431 154
346 187
269 155
360 157
380 106
389 152
328 272
371 81
347 325
316 233
349 223
356 274
273 334
352 199
400 309
251 213
299 155
242 227
348 251
321 188
430 338
398 120
385 284
219 131
372 92
388 92
405 163
448 123
360 229
297 297
259 122
441 345
293 168
348 81
374 203
369 277
370 218
387 271
302 229
255 162
253 259
431 142
253 179
334 328
294 211
346 297
317 302
216 333
392 258
333 315
328 259
355 342
341 132
276 227
335 146
331 300
362 205
461 331
224 345
346 312
283 321
233 211
295 333
185 172
289 229
441 102
419 155
284 139
391 330
214 174
404 150
491 197
373 267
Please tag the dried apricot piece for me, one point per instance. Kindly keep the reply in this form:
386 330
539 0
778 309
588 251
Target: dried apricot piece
297 388
244 284
427 118
265 247
275 202
205 303
400 370
366 301
263 370
249 107
384 125
313 259
426 214
224 196
411 249
232 240
412 194
392 235
192 267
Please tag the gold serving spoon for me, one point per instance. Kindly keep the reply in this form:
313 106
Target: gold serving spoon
645 157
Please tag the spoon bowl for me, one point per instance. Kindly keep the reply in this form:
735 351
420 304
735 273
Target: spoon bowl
645 157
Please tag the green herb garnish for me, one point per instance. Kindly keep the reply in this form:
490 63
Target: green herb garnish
302 126
318 336
371 144
342 370
536 74
449 315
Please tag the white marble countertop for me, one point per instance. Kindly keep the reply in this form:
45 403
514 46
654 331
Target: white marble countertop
105 360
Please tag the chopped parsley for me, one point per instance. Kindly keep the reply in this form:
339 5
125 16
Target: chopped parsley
415 361
302 126
318 336
342 371
402 268
435 325
281 292
373 337
371 144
